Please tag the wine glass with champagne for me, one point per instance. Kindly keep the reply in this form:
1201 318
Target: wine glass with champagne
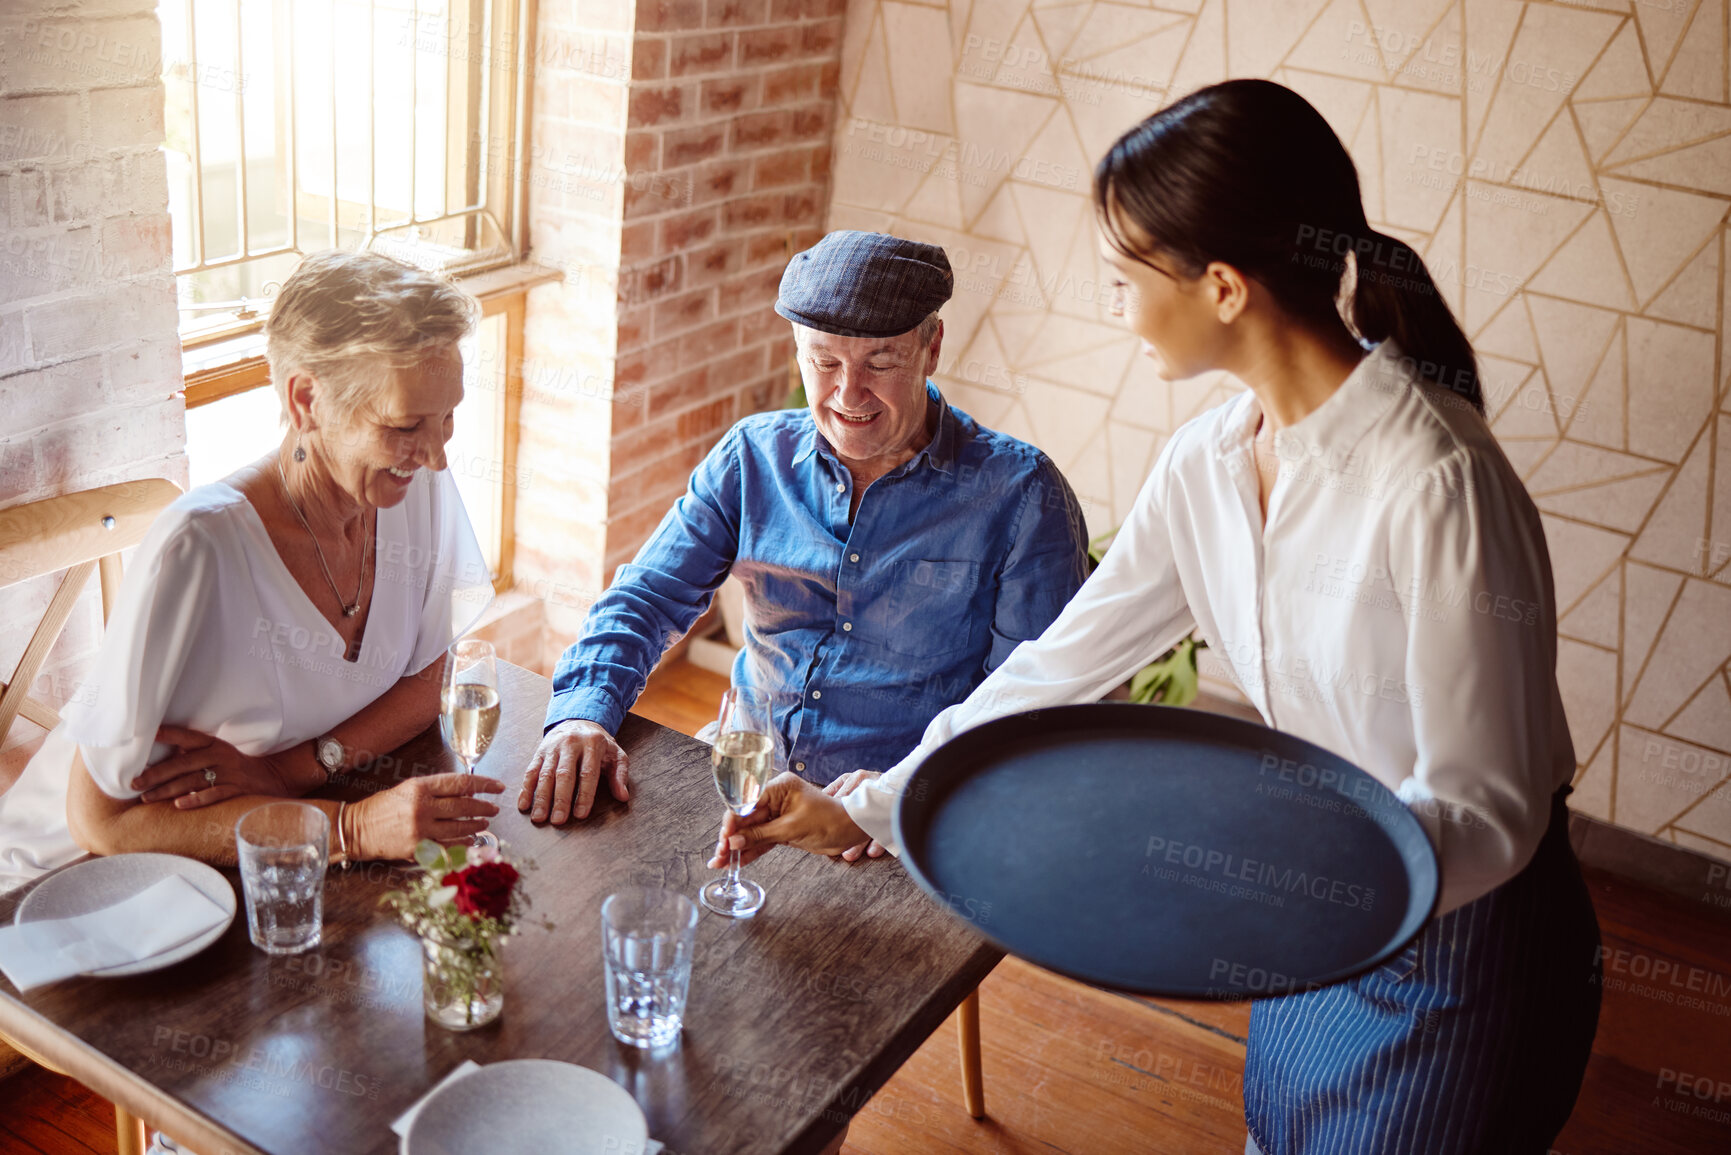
469 708
743 759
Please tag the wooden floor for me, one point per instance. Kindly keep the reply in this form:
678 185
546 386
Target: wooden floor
1070 1069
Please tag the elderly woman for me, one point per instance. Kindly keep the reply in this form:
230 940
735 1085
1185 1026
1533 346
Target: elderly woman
288 622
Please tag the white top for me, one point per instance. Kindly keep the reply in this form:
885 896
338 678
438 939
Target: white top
1397 609
213 633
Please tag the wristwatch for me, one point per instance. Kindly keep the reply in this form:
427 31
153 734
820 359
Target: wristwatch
329 752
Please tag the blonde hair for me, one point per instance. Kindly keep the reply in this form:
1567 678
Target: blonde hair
342 316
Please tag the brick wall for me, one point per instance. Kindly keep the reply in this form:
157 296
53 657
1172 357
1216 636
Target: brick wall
89 357
681 149
731 102
516 624
577 180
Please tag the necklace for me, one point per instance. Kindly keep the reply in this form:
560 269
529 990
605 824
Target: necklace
350 609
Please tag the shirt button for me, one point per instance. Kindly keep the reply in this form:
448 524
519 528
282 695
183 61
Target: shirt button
840 487
799 765
847 626
817 693
853 557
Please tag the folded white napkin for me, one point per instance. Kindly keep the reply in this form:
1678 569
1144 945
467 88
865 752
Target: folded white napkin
158 918
467 1066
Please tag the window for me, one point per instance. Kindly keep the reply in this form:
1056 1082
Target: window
393 125
298 125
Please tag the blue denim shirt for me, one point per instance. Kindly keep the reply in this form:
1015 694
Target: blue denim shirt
861 632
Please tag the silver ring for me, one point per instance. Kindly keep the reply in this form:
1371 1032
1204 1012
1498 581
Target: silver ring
210 776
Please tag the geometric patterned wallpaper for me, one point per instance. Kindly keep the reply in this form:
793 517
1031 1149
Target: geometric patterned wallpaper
1565 170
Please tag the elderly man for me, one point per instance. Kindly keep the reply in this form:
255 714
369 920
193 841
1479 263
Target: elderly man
893 550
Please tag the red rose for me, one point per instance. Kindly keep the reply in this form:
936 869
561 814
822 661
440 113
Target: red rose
483 890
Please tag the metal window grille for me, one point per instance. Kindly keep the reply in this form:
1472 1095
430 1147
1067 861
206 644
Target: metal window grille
299 125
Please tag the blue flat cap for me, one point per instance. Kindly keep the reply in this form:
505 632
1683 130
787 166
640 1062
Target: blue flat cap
857 284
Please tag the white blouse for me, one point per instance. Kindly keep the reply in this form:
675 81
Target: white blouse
1397 609
212 632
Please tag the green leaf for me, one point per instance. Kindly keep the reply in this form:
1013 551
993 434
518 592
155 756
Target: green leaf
429 854
456 856
1145 687
1171 680
1184 685
1098 546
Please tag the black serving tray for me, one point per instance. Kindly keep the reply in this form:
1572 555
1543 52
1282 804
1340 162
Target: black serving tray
1167 851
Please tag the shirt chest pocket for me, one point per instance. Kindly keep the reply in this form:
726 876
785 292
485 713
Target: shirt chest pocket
926 609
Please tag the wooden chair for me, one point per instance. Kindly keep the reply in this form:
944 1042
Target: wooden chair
78 533
968 1034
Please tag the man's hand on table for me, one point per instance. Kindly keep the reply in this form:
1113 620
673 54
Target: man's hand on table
841 788
791 811
567 767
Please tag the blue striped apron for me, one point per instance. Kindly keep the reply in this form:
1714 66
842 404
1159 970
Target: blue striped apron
1472 1041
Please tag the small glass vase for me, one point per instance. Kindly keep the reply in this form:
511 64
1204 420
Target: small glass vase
462 981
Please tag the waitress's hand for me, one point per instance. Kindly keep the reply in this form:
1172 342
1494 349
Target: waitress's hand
841 788
204 769
792 811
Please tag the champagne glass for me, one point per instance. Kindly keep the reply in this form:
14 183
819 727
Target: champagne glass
469 708
743 759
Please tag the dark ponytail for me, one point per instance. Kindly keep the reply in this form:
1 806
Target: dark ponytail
1394 296
1248 173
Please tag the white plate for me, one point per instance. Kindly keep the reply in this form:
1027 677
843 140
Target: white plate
532 1107
105 881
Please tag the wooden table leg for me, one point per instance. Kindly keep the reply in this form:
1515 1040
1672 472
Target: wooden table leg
973 1077
130 1137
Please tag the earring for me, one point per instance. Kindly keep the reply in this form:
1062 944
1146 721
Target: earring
300 454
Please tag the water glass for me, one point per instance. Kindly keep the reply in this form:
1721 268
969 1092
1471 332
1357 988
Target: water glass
647 938
283 849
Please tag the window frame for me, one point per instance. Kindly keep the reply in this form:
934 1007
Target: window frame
508 58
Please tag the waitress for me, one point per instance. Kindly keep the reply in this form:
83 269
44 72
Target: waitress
1351 540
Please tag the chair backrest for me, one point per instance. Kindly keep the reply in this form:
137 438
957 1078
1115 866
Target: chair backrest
77 532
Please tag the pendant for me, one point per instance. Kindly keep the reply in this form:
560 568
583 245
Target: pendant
351 611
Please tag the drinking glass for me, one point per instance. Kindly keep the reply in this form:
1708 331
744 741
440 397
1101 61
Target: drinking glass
469 708
283 848
743 758
647 937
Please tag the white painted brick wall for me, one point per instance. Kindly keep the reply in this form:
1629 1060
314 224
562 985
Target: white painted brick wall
569 338
89 355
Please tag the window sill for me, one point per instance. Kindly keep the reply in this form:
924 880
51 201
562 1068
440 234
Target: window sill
233 364
509 280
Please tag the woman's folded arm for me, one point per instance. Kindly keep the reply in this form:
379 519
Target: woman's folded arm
386 824
105 825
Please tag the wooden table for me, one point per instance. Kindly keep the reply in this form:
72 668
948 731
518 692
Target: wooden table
796 1017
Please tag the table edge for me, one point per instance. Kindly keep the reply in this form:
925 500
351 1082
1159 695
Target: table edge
117 1083
936 1008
